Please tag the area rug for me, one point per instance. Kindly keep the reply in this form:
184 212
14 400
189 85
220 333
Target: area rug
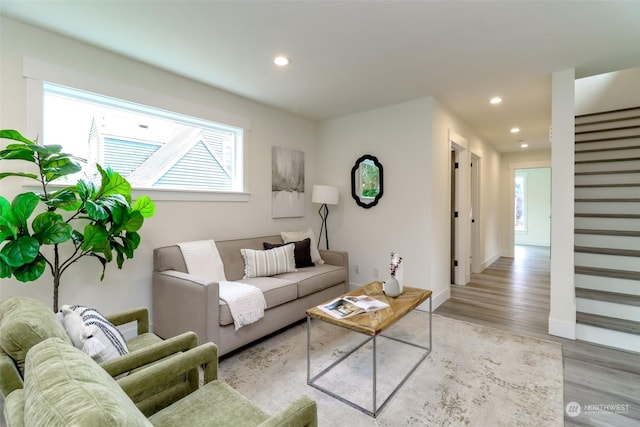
474 376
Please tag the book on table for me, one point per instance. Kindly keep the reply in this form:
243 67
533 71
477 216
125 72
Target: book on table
349 305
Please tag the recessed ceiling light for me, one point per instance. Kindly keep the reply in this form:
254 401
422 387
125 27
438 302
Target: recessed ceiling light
524 145
281 61
495 100
515 130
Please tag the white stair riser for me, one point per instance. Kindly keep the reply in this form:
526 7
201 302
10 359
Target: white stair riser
585 126
609 284
604 241
618 178
623 133
607 192
622 224
613 262
608 309
604 155
621 340
608 208
607 144
606 115
625 165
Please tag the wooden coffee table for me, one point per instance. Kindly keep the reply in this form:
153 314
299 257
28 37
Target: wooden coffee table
371 324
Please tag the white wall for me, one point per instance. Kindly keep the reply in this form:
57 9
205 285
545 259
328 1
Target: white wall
399 136
610 91
173 221
537 207
411 141
562 311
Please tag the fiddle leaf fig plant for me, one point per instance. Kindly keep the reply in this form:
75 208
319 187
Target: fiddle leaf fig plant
83 220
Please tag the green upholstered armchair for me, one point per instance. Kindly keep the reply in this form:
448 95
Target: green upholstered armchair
63 387
24 322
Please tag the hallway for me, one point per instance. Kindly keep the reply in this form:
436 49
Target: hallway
513 294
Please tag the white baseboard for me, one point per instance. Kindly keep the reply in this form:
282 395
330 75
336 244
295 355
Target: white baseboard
493 258
617 339
562 328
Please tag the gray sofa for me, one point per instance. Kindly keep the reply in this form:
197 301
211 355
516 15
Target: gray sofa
184 302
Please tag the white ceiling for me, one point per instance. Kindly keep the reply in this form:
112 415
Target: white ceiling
353 56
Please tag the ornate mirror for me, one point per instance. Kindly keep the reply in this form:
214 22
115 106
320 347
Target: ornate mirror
366 181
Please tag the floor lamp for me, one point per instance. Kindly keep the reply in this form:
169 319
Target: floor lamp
325 195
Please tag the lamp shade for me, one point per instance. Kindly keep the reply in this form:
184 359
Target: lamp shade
325 194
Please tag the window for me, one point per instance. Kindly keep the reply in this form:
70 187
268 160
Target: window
520 219
151 148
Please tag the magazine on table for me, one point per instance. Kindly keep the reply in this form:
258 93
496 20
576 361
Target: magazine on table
349 305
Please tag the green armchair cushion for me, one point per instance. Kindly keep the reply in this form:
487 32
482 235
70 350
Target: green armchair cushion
63 387
215 404
24 322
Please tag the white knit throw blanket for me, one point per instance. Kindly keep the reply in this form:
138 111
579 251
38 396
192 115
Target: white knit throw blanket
202 259
246 302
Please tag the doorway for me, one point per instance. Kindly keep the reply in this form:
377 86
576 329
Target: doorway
532 207
460 208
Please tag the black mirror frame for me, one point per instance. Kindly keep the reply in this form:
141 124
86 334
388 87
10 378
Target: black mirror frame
355 167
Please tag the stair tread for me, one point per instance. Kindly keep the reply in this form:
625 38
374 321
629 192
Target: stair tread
597 122
607 215
602 113
608 296
613 323
618 200
585 132
607 251
623 185
621 159
601 150
607 272
609 172
613 138
599 232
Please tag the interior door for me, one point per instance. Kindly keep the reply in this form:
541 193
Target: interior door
453 213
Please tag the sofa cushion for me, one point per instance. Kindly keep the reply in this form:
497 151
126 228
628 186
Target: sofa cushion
314 279
276 291
64 387
24 322
301 251
296 236
274 261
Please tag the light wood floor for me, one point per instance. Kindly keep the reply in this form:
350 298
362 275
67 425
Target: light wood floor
513 294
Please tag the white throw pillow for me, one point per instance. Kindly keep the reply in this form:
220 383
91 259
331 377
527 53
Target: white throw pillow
296 236
268 263
92 333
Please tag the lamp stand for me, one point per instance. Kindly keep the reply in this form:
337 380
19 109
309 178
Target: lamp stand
324 213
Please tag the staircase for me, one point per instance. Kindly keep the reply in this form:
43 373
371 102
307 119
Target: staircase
607 228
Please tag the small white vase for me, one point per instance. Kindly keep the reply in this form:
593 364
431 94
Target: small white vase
391 287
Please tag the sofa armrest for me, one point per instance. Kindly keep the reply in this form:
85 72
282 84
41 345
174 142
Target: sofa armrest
150 354
11 378
340 258
183 302
139 315
162 376
303 412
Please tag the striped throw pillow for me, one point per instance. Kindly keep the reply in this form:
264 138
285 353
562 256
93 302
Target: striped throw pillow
270 262
112 339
